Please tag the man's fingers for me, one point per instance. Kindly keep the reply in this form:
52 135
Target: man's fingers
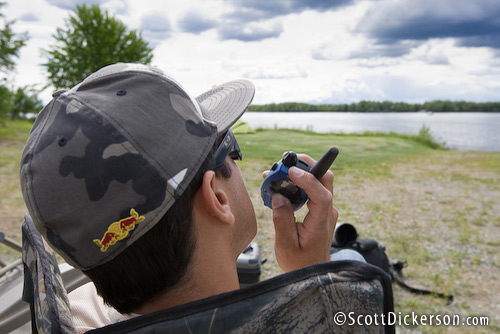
299 245
307 159
317 191
327 179
283 217
286 240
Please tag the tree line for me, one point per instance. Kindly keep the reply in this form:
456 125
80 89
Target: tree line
385 106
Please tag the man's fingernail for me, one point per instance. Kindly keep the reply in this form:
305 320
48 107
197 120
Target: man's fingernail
279 201
297 172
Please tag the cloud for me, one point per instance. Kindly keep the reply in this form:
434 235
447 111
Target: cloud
368 54
265 9
155 28
471 23
489 40
395 88
250 32
245 21
276 74
434 52
117 7
71 4
415 91
397 49
29 17
194 22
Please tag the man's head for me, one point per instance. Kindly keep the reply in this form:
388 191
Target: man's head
106 160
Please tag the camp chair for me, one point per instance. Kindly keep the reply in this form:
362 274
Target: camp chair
316 299
43 285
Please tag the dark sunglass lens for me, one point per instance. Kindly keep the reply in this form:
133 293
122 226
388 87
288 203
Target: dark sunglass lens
235 155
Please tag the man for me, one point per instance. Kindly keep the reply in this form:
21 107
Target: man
133 181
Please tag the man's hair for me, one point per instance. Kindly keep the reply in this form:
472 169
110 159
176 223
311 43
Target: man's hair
158 261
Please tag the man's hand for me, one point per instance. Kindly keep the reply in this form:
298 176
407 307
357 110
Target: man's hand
302 244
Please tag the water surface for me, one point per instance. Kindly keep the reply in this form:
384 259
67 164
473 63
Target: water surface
459 130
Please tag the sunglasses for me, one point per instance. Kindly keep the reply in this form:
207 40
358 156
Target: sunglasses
228 146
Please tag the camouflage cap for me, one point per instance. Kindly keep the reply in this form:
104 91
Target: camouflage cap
106 159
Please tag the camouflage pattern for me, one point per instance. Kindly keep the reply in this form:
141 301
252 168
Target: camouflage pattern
50 302
305 301
127 138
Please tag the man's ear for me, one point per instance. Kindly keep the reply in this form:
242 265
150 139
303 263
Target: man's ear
215 199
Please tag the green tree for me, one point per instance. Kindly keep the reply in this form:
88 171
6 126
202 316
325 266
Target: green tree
6 105
10 44
25 101
90 40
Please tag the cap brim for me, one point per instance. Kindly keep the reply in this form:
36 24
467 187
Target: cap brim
225 104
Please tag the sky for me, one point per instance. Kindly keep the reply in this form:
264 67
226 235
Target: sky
312 51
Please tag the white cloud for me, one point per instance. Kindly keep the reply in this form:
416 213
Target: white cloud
116 7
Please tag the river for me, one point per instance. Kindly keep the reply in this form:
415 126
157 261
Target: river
466 131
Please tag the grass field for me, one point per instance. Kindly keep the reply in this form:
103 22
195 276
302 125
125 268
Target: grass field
437 209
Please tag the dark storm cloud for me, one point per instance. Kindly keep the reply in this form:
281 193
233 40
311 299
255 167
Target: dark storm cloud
195 23
491 40
471 23
244 22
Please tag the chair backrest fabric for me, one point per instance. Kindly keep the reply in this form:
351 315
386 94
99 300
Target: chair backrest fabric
325 298
43 286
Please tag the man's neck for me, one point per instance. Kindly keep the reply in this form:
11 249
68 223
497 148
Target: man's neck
212 268
203 280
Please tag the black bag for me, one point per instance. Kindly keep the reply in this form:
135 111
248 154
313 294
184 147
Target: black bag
346 237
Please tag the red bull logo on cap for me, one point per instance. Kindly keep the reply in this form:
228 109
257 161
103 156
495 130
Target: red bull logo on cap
118 230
